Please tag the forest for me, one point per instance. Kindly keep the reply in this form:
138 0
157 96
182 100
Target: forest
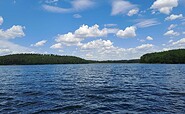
35 59
165 57
39 59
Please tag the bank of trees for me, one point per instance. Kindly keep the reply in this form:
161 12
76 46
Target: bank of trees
39 59
34 59
169 57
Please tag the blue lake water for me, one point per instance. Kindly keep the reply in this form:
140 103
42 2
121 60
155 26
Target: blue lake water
93 88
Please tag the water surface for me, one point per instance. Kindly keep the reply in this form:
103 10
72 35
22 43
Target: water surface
93 88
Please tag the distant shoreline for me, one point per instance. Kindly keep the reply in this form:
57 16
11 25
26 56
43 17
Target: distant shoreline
96 64
166 57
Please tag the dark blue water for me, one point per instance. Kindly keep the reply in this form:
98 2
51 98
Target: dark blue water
93 88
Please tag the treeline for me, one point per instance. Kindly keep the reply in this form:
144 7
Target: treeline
168 57
39 59
120 61
34 59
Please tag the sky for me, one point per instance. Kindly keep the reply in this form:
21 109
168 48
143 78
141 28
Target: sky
92 29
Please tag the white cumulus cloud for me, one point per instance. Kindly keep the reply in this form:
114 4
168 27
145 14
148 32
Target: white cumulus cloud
105 50
97 44
56 46
180 42
68 39
13 32
133 12
129 32
149 38
164 6
7 47
94 31
80 34
171 33
40 43
173 17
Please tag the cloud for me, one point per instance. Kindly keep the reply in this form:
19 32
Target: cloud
121 7
1 20
13 32
7 47
164 6
56 9
77 16
170 41
80 34
144 46
56 46
133 12
100 49
141 40
171 33
111 30
173 17
68 39
172 26
105 50
129 32
180 42
82 4
110 25
143 23
149 38
94 31
76 6
5 51
51 1
40 43
97 44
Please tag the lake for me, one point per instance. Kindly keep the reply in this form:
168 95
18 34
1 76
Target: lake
93 88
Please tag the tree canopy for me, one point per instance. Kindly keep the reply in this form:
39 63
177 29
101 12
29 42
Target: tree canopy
168 57
34 59
39 59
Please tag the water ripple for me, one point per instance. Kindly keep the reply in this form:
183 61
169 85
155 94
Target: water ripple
93 88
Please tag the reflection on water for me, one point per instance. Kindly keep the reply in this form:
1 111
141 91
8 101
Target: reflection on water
93 88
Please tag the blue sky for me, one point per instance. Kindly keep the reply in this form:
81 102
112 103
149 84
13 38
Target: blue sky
91 29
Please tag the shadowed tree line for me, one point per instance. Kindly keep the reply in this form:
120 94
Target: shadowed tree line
168 57
34 59
37 59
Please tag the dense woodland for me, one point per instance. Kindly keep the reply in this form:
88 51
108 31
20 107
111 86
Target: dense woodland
168 57
34 59
37 59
